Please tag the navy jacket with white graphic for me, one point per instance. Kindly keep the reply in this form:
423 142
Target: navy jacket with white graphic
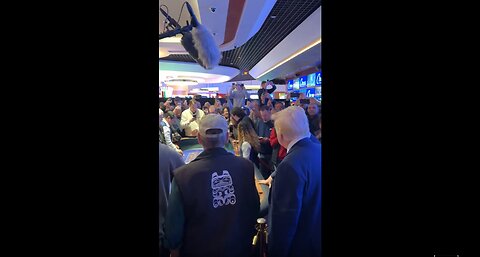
213 206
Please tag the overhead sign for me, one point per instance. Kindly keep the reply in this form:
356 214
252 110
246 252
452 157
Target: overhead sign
311 80
318 79
296 84
303 82
290 85
310 92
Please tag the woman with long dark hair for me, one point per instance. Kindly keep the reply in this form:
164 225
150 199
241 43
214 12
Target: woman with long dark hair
248 142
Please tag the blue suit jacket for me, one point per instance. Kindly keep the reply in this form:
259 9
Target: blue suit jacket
295 210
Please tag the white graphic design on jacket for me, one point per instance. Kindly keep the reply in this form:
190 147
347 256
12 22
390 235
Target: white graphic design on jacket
222 189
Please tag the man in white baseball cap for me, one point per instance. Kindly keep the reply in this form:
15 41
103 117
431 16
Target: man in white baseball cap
211 191
213 131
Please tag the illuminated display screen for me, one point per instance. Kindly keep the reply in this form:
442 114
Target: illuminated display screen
318 93
296 84
290 85
311 80
318 79
310 92
303 82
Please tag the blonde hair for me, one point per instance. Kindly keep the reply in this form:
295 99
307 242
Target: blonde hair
246 133
291 122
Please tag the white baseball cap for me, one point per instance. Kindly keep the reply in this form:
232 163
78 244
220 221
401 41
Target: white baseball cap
212 126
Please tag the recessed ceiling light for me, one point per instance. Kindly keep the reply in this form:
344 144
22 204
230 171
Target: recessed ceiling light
273 16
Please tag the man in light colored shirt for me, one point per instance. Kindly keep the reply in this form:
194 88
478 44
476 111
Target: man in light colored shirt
190 119
238 93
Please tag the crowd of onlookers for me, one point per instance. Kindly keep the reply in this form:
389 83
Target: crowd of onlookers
209 206
179 119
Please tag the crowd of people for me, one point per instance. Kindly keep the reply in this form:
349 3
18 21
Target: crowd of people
209 206
179 117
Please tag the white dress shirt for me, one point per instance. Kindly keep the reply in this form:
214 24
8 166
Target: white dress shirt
294 141
190 126
168 135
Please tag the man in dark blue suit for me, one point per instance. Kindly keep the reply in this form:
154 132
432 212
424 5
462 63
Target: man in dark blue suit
294 216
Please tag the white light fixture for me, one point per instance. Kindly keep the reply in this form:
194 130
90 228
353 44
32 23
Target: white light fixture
181 82
252 86
163 53
176 39
210 89
293 56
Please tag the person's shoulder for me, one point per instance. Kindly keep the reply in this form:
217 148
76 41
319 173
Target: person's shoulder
309 142
290 164
305 149
241 163
164 149
245 120
246 144
314 139
233 159
169 154
184 170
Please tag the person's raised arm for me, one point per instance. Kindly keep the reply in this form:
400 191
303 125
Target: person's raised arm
272 89
231 90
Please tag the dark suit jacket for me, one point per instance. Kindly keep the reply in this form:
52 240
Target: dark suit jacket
295 210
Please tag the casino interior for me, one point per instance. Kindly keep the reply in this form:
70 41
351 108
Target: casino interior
274 41
269 40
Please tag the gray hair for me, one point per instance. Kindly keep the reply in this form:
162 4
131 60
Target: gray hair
212 142
292 122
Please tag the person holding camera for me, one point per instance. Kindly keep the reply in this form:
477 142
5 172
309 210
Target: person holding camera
238 93
190 119
264 89
267 100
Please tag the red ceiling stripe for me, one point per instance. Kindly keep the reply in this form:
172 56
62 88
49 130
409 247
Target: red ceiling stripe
235 9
